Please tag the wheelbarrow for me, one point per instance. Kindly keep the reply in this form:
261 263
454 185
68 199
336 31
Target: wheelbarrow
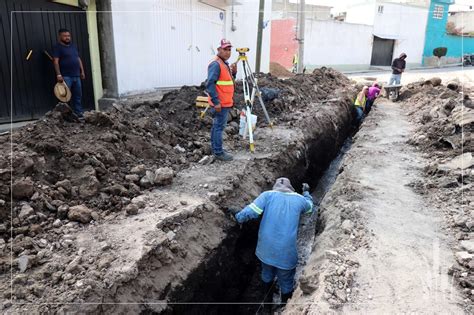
392 91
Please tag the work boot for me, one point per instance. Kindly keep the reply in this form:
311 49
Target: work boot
285 297
224 156
268 297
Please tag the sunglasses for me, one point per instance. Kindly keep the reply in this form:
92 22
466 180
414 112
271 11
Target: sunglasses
227 49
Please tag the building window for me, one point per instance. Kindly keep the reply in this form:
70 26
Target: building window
438 12
380 9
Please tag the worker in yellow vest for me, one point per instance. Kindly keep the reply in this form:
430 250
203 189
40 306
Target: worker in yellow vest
359 105
295 63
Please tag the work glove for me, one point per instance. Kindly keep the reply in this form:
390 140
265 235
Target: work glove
305 187
231 212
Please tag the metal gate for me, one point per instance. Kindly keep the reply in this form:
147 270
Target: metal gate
382 52
27 37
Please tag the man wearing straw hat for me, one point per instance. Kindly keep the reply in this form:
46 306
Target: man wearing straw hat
69 69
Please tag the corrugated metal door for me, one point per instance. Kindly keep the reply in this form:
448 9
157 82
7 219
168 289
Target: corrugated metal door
382 52
208 30
33 76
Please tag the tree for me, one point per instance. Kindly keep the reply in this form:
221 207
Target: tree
440 52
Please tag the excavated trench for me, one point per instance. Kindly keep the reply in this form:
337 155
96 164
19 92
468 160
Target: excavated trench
228 282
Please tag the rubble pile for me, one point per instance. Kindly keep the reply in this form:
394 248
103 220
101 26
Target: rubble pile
66 174
445 125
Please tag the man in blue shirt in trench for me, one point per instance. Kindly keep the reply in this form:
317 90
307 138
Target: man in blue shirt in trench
280 209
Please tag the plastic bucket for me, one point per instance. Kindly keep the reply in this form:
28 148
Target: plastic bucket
243 123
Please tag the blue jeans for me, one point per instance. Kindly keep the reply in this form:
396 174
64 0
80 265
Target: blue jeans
218 126
395 78
359 115
74 84
286 278
368 105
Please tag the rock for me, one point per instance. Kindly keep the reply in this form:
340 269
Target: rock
213 196
347 226
341 295
308 284
145 182
469 224
206 160
341 270
63 211
462 116
80 214
57 223
132 178
117 190
179 148
170 235
22 189
95 216
131 209
463 257
460 220
98 118
65 184
104 246
447 182
138 170
26 211
467 245
89 188
163 176
183 202
24 262
435 81
462 162
74 266
453 85
109 137
2 245
22 164
3 228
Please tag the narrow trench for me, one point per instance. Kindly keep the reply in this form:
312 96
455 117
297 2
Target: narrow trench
229 282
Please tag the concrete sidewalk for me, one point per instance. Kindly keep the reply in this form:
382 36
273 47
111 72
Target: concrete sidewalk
388 69
11 126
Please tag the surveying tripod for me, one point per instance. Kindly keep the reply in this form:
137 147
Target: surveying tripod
249 96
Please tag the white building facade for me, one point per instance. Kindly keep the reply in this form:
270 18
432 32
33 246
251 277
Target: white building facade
169 43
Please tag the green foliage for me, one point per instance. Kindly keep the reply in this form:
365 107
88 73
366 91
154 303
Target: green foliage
440 52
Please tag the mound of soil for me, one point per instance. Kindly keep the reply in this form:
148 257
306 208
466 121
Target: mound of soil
278 70
115 155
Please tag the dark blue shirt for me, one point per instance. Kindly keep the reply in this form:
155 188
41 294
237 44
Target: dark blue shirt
68 59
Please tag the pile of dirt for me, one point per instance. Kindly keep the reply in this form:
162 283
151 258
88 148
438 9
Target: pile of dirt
65 173
278 70
445 133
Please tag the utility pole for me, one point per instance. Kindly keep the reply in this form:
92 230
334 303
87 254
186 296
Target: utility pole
301 13
261 8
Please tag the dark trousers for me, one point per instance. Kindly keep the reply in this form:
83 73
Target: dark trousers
75 85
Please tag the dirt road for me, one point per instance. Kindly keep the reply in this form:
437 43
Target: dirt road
405 268
385 249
